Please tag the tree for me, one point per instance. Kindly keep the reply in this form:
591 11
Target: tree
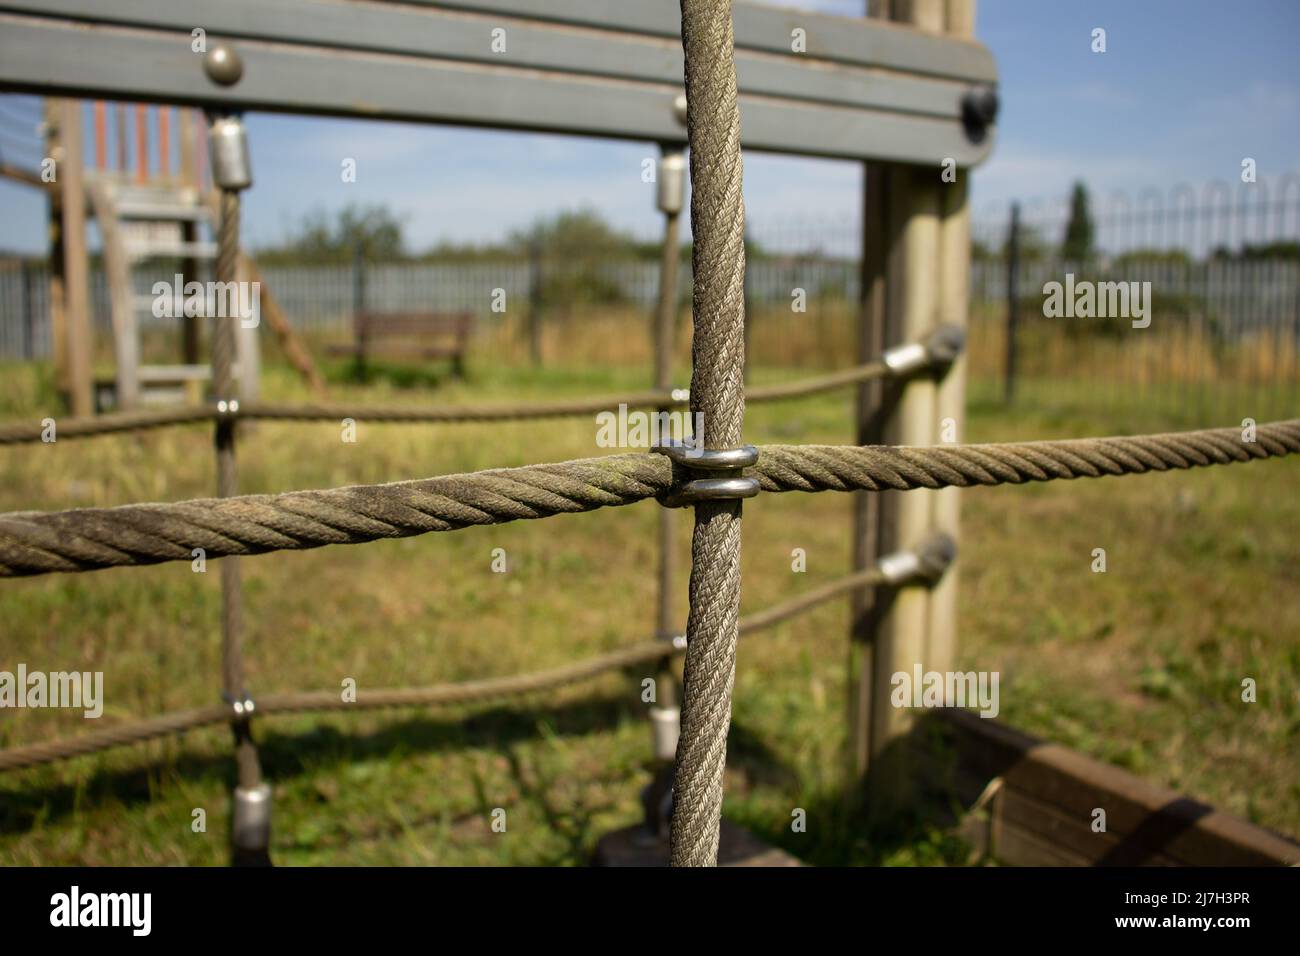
1077 246
577 234
375 230
575 248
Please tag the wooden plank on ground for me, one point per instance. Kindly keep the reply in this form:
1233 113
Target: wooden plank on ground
1051 791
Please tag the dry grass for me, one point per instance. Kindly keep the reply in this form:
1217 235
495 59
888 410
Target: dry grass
1140 666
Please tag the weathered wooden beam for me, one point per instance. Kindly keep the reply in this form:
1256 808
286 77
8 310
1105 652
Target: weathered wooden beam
950 397
915 247
1042 810
810 84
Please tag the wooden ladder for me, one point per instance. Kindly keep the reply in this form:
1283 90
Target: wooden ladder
138 223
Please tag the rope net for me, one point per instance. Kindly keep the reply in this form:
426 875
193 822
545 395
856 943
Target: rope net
77 540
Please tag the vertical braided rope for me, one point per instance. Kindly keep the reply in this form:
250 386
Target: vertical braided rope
717 393
232 608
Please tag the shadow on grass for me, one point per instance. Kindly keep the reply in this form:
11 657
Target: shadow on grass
855 826
842 831
287 755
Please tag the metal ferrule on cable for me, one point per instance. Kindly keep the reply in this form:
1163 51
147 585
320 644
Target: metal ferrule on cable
924 564
670 195
937 353
716 474
231 167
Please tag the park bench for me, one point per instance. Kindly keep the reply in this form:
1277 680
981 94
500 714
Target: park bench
426 335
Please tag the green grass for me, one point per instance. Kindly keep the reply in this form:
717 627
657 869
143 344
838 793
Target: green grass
1140 666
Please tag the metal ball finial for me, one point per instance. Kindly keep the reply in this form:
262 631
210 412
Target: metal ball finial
223 65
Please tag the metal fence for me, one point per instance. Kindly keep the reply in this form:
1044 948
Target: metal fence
1212 337
1222 343
586 306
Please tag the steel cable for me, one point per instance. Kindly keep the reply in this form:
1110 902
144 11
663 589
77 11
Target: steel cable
15 433
87 539
465 692
718 398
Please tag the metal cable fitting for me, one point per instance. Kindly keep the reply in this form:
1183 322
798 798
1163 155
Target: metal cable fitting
670 195
679 108
665 728
979 111
242 707
725 463
228 145
924 564
937 352
675 638
250 823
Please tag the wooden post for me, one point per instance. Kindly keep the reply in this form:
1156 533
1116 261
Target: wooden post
120 110
915 252
869 423
187 140
141 143
190 331
248 344
954 309
905 517
165 142
872 405
101 135
76 270
201 155
58 285
1013 299
117 269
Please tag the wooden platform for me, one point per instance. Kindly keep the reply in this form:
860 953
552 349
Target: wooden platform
1040 799
637 846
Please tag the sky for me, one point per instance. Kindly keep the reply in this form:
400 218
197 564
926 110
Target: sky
1185 90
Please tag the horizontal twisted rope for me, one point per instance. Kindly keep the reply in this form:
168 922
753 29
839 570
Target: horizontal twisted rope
179 722
881 468
115 422
22 432
91 538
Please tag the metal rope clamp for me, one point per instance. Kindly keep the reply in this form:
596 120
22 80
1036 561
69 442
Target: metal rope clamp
722 465
241 707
